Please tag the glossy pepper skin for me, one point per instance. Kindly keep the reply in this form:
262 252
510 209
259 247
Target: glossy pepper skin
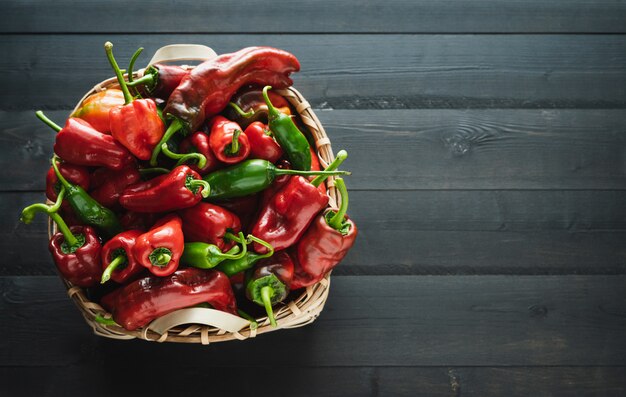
79 143
209 223
227 141
110 185
198 142
287 215
136 124
250 99
207 256
118 262
159 80
262 145
180 188
289 137
160 248
95 109
81 266
268 283
138 303
75 174
244 207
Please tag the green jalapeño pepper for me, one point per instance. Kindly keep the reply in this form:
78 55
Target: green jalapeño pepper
249 177
87 209
206 256
288 136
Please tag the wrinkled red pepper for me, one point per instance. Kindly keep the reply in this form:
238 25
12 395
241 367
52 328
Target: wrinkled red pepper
325 243
118 261
209 223
136 124
159 249
159 80
262 145
180 188
79 143
138 303
228 143
198 142
81 266
109 185
288 213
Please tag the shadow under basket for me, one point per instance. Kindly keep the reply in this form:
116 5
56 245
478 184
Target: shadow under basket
219 326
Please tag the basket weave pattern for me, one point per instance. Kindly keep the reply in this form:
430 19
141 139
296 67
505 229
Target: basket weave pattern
299 312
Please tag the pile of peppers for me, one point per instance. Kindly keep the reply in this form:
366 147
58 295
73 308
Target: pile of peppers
187 187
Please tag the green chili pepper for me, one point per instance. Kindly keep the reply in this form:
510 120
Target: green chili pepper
266 291
233 266
291 140
207 256
87 209
249 177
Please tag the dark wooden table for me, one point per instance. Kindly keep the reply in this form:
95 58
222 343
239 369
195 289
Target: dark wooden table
488 144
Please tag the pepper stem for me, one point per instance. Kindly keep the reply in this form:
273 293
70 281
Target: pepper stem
232 253
337 219
271 110
240 111
29 212
46 120
160 257
115 263
233 148
61 178
131 65
266 296
193 184
253 323
270 249
239 239
341 156
171 130
146 79
108 48
183 158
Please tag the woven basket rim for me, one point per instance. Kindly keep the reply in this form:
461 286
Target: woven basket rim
301 311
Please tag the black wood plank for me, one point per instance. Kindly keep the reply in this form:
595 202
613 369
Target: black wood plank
312 381
314 16
431 232
354 71
415 149
368 321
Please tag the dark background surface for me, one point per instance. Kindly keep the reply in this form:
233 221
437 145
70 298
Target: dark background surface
488 144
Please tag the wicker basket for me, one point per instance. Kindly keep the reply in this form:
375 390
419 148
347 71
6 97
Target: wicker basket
217 327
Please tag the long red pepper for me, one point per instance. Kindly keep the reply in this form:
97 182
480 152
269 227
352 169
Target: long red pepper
325 243
180 188
79 143
118 262
145 299
209 223
136 124
227 141
160 248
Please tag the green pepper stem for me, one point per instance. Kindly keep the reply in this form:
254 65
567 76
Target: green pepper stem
270 249
131 65
171 130
144 80
230 254
341 157
281 171
183 158
233 148
162 260
240 111
108 48
337 219
61 178
46 120
115 263
253 323
273 112
28 214
105 321
206 188
266 296
160 170
239 239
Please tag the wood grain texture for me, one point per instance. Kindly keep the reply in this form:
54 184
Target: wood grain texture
313 381
429 232
340 72
321 16
415 149
432 321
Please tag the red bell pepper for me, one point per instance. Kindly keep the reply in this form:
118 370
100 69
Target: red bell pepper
95 109
118 262
109 185
325 243
262 145
227 141
136 124
79 143
198 142
180 188
209 223
138 303
160 248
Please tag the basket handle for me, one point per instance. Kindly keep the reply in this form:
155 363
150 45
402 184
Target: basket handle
182 52
198 315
